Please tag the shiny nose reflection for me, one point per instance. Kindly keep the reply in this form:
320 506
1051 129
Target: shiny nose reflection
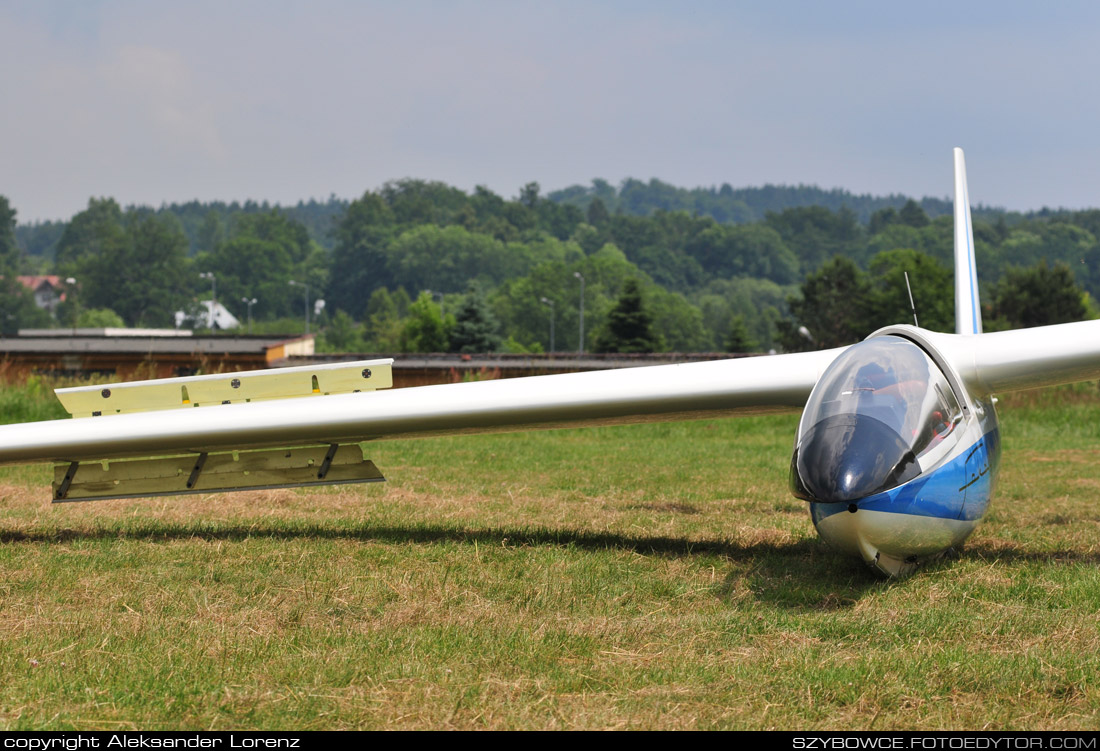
846 457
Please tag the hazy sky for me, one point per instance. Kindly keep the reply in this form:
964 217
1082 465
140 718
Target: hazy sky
154 101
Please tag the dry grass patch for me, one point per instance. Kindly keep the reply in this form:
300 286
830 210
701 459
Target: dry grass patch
533 582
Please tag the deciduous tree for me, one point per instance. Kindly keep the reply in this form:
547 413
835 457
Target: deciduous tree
1039 296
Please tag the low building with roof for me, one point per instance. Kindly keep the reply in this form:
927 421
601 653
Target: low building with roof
48 290
128 354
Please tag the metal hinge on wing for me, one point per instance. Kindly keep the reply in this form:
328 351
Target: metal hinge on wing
213 473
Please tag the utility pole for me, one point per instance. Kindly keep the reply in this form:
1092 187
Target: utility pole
249 303
210 319
305 287
580 347
548 301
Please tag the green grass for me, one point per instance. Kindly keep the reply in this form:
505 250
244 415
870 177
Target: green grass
655 576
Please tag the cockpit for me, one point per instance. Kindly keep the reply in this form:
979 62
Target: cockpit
882 413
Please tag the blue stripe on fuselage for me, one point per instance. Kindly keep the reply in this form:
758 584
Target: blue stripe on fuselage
959 489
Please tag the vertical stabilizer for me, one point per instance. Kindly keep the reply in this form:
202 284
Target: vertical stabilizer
968 315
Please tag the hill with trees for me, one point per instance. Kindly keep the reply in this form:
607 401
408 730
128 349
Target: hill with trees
423 266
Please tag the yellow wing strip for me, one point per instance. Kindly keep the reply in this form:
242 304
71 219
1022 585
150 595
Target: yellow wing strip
226 388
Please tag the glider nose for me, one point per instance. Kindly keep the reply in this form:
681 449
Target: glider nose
846 457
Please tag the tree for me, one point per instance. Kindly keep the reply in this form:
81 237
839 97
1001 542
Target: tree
342 334
384 326
358 264
99 318
475 329
814 234
759 302
9 249
444 259
882 219
96 231
17 308
629 324
262 255
1039 296
137 268
424 330
833 308
677 324
423 202
529 195
597 213
739 340
913 215
212 232
932 284
135 264
750 250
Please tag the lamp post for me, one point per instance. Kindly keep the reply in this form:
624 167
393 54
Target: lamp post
548 301
249 303
70 296
305 287
580 348
213 296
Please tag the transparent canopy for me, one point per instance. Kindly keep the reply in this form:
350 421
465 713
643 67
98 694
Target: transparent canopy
881 410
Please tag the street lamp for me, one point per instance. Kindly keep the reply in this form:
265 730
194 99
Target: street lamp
304 286
580 349
249 303
70 296
548 301
213 296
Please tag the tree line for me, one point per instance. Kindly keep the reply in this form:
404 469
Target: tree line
423 266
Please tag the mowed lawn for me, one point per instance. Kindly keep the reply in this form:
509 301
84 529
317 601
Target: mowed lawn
643 577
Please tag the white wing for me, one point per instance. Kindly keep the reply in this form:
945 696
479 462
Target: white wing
233 445
750 385
1026 358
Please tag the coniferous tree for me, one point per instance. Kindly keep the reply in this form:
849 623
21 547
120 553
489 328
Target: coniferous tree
739 339
629 325
475 329
598 215
9 250
912 214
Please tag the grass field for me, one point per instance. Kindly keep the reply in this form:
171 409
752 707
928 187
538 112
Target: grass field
655 576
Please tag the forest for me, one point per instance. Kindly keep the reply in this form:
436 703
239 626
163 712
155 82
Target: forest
421 266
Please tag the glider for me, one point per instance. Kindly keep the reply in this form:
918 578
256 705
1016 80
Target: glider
896 453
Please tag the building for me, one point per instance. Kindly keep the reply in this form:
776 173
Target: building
211 314
129 354
48 290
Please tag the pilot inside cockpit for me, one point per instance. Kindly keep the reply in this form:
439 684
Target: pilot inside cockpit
880 414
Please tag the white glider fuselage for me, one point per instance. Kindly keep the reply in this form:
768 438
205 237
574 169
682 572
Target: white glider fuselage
895 454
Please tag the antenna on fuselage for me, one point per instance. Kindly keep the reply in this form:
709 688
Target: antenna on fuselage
912 305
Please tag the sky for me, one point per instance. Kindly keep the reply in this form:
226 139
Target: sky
154 102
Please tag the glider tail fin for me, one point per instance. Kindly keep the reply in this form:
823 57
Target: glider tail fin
968 315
